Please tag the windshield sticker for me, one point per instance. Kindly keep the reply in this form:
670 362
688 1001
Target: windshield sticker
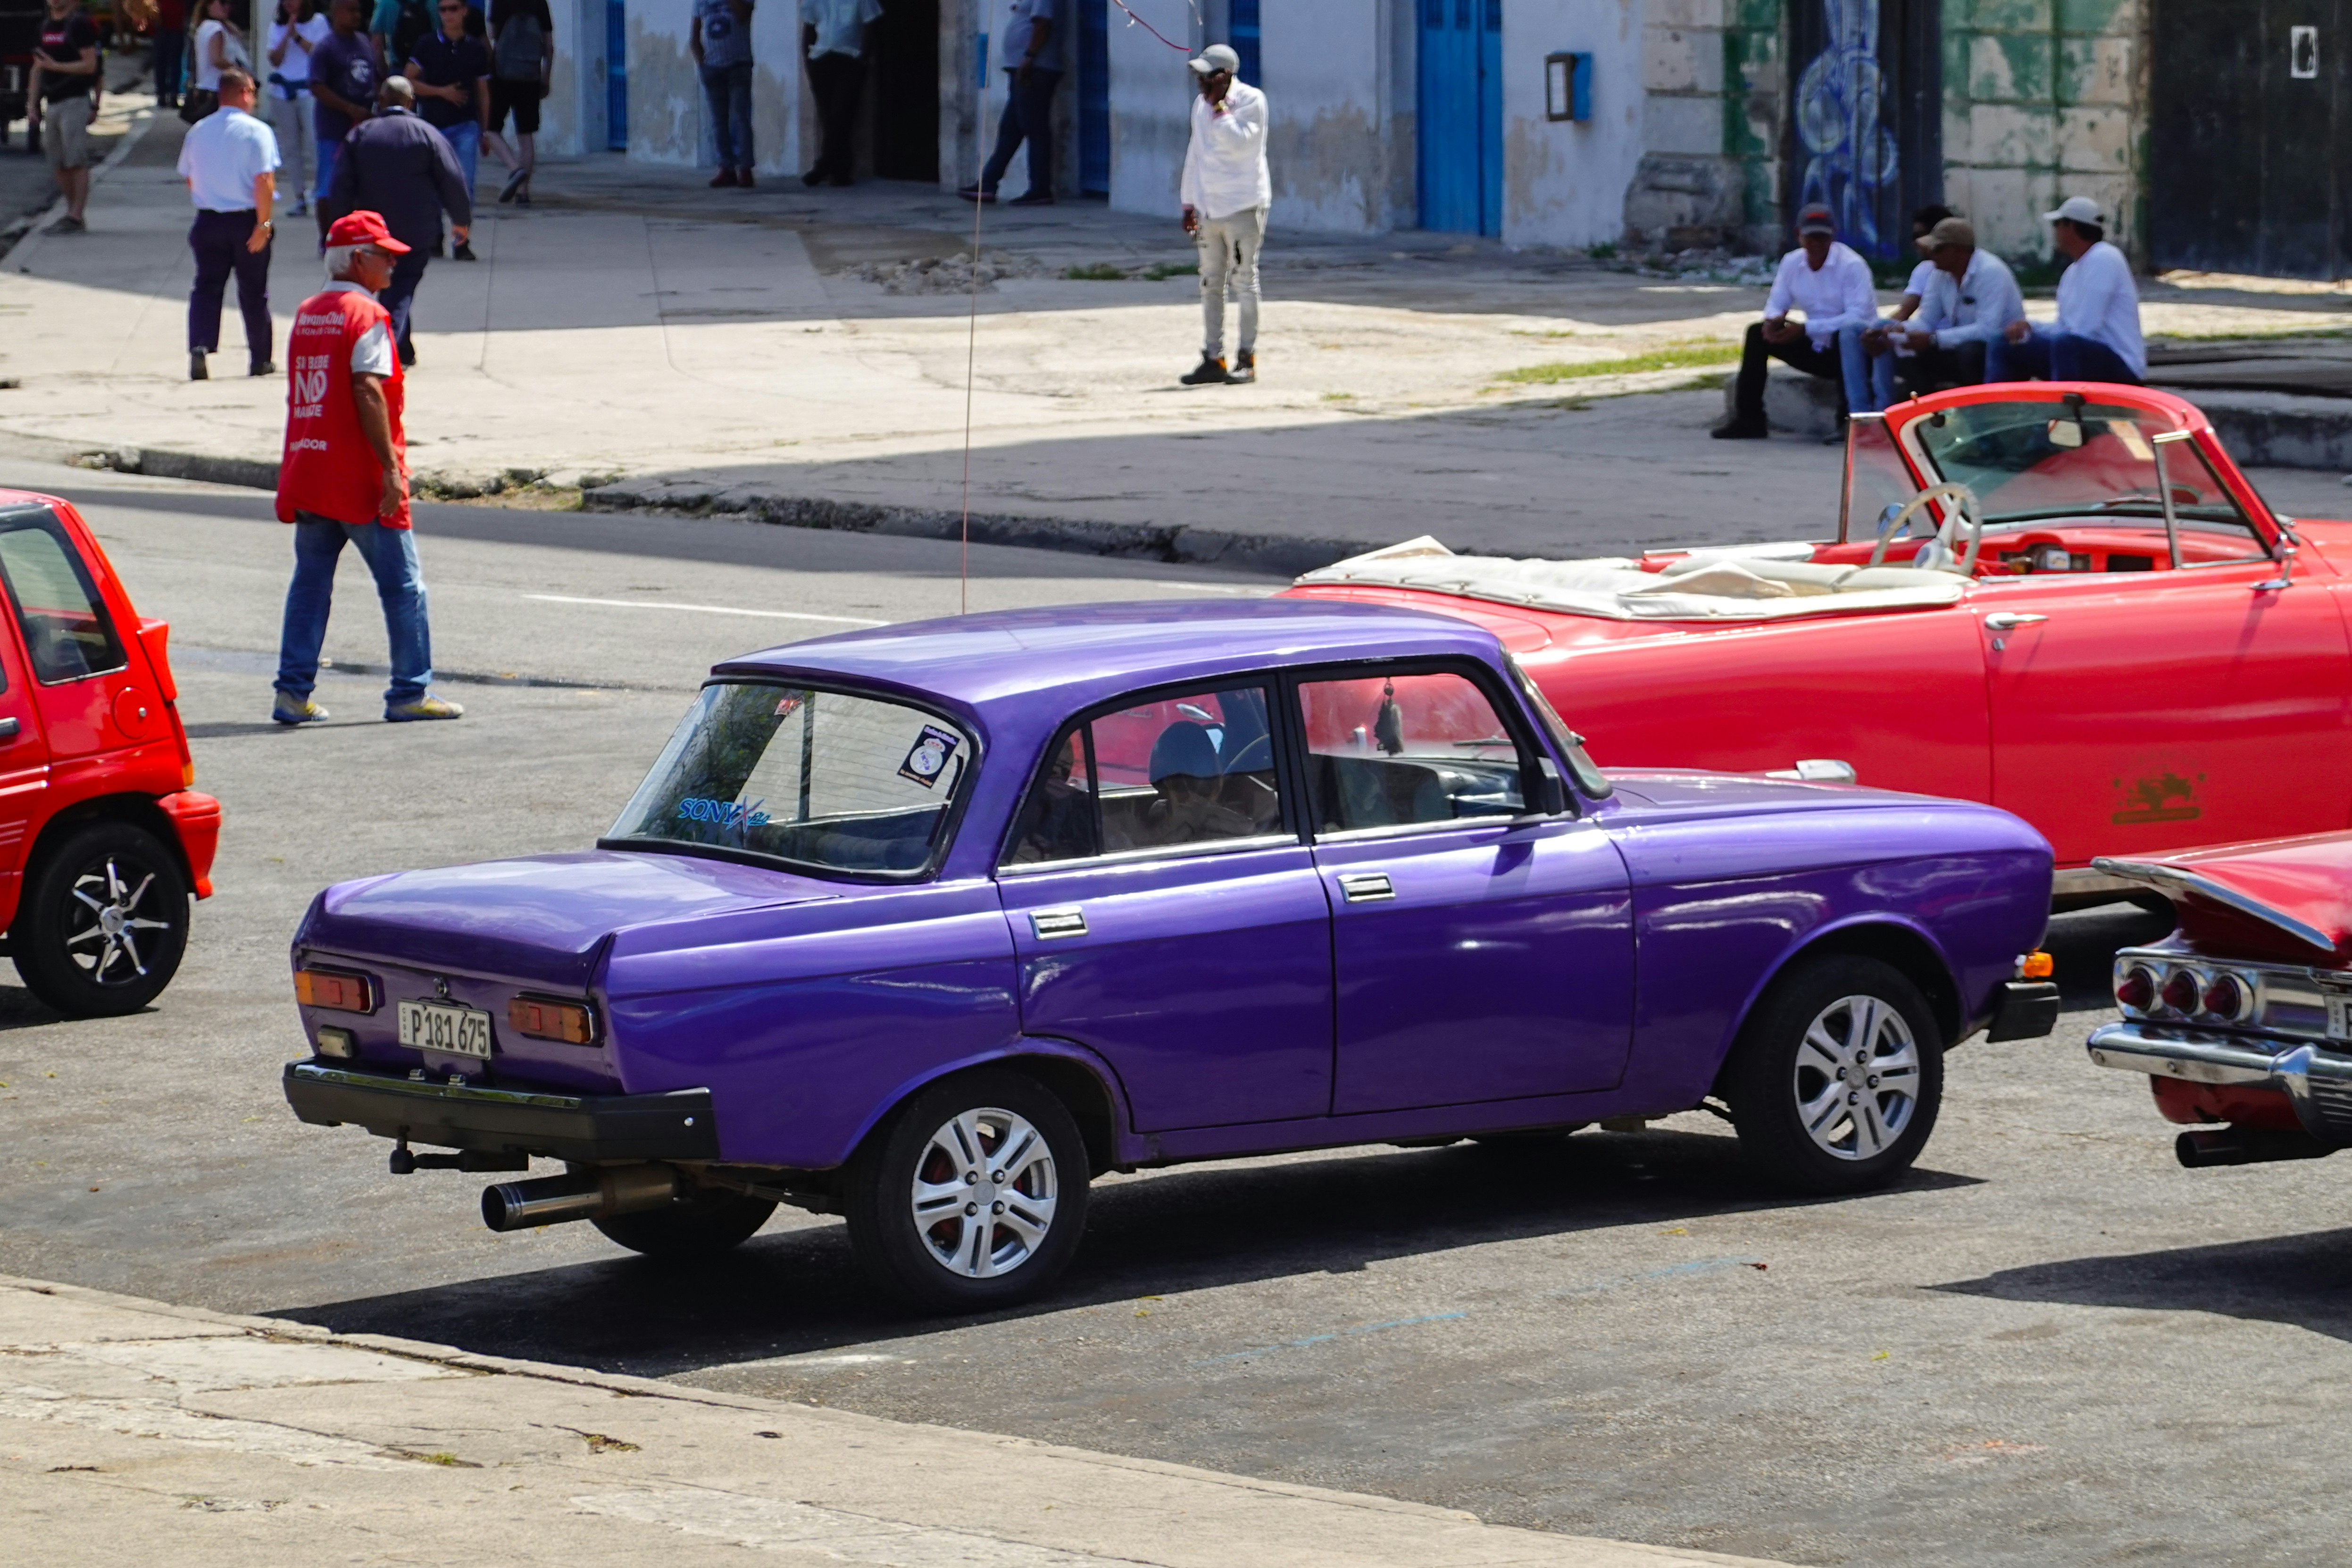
930 758
789 706
726 812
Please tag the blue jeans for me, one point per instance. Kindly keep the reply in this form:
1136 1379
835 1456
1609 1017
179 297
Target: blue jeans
466 139
729 90
391 555
328 153
1028 116
1869 381
2053 355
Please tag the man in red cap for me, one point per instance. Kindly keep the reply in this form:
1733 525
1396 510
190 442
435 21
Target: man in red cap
344 477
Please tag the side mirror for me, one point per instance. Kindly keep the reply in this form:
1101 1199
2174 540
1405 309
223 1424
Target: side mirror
2285 578
1550 792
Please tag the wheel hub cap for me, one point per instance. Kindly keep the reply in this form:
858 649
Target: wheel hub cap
985 1190
1856 1081
109 949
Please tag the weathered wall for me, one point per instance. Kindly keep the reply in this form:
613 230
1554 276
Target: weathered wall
571 120
1151 107
667 118
778 85
1712 90
2043 99
1327 140
1565 181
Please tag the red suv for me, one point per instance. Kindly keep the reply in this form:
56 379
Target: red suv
102 840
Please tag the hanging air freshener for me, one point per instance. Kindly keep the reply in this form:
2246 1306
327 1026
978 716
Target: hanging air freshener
1388 725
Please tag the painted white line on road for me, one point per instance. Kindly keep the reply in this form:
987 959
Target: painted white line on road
707 609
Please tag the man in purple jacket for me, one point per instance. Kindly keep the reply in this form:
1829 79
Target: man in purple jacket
398 165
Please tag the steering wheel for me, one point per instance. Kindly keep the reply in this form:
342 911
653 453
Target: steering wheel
1965 510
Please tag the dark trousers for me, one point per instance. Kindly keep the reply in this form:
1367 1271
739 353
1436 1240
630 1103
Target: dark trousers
219 239
1749 397
1028 117
2053 355
169 42
836 79
1934 369
400 295
728 90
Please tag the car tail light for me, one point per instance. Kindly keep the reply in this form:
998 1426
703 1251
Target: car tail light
2136 988
2227 998
545 1019
2182 992
338 990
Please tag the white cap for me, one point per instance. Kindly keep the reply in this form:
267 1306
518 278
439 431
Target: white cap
2076 209
1216 58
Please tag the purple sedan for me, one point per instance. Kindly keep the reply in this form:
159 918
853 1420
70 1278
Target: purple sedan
926 925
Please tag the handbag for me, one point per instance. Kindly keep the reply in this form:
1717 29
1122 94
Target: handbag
197 102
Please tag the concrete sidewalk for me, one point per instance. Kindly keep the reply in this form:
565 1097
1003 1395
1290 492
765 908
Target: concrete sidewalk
746 351
130 1430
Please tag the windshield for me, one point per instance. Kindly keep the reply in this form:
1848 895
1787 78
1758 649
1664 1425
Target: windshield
2027 461
824 779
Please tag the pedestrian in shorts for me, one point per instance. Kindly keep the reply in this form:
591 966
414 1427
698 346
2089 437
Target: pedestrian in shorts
65 84
522 63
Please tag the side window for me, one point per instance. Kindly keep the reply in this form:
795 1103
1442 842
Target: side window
1159 772
1385 751
67 629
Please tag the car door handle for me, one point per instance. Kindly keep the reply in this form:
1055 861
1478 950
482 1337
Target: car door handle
9 729
1047 924
2010 620
1365 887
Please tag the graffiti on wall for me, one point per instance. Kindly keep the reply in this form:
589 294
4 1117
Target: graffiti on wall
1849 153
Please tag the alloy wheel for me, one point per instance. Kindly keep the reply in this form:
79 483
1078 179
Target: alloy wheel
110 949
1857 1076
985 1193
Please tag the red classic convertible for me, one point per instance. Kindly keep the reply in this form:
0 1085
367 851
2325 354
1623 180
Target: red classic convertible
2061 598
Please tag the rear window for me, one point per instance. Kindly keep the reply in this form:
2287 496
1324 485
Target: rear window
67 629
830 780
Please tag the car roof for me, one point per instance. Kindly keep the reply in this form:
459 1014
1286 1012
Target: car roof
1054 660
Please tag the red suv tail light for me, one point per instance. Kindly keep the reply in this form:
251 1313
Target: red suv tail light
338 990
544 1018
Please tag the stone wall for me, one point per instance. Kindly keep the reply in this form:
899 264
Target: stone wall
1713 88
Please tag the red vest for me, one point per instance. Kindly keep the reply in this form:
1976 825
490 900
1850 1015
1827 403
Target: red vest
328 467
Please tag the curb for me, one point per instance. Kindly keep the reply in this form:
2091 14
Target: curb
1175 544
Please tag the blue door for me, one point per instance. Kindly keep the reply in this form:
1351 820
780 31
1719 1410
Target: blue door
1461 115
1242 19
1094 97
616 75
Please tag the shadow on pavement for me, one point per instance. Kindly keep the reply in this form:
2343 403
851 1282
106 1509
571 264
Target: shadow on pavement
798 1291
2303 1280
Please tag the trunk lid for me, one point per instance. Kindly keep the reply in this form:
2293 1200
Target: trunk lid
2287 900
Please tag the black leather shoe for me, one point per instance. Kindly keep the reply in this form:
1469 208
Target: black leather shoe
266 367
1737 429
1209 371
196 371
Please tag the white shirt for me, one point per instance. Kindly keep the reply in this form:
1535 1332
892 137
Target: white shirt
2096 299
1921 276
294 69
840 24
1019 22
1974 307
372 355
222 155
1840 294
207 77
1224 166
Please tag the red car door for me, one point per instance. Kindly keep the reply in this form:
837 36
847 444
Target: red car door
2136 711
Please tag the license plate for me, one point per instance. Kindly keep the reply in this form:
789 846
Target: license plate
438 1027
2339 1017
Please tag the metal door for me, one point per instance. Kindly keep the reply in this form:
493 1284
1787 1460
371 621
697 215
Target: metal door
1865 138
1460 97
2247 131
616 75
1094 97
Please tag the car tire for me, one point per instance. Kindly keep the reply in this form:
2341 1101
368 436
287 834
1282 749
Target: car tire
1836 1015
101 875
705 1223
915 1167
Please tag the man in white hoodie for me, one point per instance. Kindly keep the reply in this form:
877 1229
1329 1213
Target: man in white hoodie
1225 191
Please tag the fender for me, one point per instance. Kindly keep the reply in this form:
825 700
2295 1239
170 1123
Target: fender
1126 1145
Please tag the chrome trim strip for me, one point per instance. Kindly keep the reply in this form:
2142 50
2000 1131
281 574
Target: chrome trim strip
2318 1083
1157 852
1405 829
2163 879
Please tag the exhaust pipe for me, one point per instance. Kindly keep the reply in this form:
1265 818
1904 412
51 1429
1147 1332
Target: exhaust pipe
578 1194
2245 1146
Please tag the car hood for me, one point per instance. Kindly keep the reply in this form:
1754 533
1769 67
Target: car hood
2284 898
541 917
1693 792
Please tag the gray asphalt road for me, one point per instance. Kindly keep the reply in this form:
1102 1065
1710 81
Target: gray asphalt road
2050 1346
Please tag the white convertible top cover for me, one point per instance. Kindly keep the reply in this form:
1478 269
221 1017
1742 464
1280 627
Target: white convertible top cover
1742 582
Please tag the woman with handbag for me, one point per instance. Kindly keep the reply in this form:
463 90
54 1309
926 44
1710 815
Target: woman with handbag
219 43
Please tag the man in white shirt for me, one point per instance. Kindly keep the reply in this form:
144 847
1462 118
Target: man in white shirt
1226 190
833 39
1035 42
2097 334
1833 286
230 161
1971 297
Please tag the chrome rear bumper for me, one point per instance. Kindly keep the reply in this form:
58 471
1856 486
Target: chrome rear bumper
2318 1083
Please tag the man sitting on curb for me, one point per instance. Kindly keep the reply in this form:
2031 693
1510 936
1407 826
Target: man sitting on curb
2097 334
1971 297
1833 286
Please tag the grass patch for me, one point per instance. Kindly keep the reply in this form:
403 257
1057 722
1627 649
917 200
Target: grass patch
1339 398
1159 269
1676 356
1095 272
1605 251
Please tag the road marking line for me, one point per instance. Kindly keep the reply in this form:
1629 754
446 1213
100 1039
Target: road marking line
706 609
